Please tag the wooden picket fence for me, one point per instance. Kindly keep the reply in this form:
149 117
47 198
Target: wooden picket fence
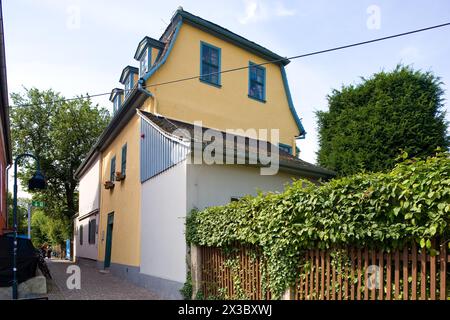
360 274
218 280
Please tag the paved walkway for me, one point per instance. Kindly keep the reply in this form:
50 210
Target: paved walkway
94 285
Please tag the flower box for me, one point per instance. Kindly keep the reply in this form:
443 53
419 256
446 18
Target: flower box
109 185
119 176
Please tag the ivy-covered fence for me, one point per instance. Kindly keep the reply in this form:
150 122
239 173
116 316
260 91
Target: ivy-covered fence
382 211
334 274
352 273
233 274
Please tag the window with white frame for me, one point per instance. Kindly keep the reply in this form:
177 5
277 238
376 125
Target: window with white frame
145 62
117 103
128 85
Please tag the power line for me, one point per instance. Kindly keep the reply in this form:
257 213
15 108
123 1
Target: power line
260 64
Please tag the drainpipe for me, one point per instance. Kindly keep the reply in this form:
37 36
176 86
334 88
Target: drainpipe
140 87
7 190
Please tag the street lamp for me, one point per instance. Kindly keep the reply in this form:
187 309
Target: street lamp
37 182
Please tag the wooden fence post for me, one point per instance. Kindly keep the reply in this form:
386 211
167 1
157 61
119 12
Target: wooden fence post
196 269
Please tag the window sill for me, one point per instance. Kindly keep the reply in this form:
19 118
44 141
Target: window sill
211 83
257 99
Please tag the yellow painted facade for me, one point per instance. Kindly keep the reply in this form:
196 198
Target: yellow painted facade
124 200
229 106
154 54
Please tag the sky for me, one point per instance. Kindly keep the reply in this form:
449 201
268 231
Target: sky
80 46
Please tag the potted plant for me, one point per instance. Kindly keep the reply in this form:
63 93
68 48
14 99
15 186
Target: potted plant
119 176
109 184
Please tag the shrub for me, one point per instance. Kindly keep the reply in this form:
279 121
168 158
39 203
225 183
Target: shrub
383 210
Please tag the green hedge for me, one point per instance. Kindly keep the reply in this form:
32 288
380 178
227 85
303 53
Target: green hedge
383 210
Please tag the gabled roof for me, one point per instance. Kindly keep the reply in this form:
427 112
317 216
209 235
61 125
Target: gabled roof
126 71
287 161
147 42
115 92
170 35
228 35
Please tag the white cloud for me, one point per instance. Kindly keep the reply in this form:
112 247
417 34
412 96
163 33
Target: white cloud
282 11
261 10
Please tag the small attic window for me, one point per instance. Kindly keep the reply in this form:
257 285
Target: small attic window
127 79
116 99
145 62
128 84
146 48
117 103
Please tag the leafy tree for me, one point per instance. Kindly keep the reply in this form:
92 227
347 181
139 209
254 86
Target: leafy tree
368 125
45 229
59 133
39 228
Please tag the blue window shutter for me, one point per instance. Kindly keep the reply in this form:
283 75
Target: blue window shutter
210 64
124 160
113 168
92 227
80 235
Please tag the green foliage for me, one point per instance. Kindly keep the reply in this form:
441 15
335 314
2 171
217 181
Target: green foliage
60 134
368 125
186 290
199 295
45 229
383 210
39 228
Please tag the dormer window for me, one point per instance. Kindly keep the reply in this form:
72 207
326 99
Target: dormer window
128 85
116 98
117 103
144 54
144 62
127 79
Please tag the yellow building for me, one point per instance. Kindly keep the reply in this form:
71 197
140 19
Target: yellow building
184 76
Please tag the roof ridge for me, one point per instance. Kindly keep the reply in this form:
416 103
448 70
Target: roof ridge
229 35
